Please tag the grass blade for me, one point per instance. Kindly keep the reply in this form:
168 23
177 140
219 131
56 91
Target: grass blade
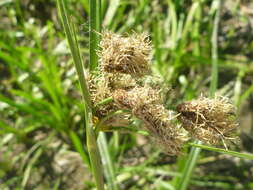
72 39
224 151
4 128
93 34
214 81
70 34
93 152
85 4
107 162
111 11
79 147
183 181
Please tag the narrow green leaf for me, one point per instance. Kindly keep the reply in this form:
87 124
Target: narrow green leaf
111 11
93 34
95 160
28 170
246 94
92 146
74 47
85 4
27 109
79 147
107 162
8 129
224 151
182 182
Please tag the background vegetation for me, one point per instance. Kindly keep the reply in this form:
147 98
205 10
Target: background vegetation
198 46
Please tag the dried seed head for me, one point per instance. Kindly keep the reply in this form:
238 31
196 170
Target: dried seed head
145 105
120 81
136 97
209 120
160 123
129 55
100 90
101 87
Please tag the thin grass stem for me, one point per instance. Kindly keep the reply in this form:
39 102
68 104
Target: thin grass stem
93 36
93 149
92 146
224 151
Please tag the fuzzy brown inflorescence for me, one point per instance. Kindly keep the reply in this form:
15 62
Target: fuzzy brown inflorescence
209 120
145 104
100 90
129 55
101 86
124 61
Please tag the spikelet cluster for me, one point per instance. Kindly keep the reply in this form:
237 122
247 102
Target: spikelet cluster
124 62
209 120
101 86
121 58
100 90
128 55
145 104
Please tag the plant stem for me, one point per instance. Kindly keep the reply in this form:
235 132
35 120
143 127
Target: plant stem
224 151
75 52
107 162
92 146
93 37
188 168
94 155
95 22
214 81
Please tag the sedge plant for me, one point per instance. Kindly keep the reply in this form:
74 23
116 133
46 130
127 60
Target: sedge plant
115 90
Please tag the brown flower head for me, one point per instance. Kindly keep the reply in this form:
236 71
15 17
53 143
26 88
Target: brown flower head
119 81
209 120
100 90
145 105
101 86
129 55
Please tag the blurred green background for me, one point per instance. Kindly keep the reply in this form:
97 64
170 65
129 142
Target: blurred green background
42 138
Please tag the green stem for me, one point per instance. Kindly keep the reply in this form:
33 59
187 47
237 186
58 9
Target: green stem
105 101
75 52
214 81
93 37
224 151
188 168
93 149
96 165
107 162
92 146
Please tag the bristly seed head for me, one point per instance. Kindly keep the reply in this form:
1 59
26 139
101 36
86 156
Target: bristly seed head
100 90
209 120
129 55
101 86
145 105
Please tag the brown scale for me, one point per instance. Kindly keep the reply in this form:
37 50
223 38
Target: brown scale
188 116
143 113
121 99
